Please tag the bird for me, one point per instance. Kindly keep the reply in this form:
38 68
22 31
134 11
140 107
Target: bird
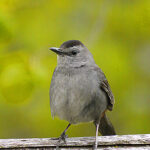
79 90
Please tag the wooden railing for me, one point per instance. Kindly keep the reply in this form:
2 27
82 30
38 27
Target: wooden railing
117 142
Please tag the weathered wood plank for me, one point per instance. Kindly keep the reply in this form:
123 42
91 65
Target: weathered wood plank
122 142
88 148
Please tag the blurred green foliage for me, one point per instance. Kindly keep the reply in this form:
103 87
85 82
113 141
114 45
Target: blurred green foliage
116 32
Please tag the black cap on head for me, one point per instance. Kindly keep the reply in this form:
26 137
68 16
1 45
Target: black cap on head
71 43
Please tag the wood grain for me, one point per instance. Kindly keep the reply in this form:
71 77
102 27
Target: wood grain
121 142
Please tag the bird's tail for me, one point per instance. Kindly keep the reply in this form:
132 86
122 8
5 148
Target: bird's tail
106 127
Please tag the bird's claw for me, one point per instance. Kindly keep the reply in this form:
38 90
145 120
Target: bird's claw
62 137
94 147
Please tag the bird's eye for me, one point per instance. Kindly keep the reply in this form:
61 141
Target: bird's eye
74 52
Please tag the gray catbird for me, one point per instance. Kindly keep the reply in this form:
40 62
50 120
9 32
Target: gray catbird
79 90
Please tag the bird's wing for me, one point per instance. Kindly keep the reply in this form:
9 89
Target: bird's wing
104 85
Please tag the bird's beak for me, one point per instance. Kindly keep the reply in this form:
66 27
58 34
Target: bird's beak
56 50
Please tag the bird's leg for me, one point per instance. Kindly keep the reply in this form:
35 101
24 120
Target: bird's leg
63 136
95 146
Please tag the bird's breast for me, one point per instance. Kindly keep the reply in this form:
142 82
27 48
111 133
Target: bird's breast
71 92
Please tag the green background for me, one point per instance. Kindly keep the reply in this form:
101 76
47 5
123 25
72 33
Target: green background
116 32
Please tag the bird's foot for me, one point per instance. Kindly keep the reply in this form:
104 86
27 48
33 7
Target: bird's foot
95 146
62 137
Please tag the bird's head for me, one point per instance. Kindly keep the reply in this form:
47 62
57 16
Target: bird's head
73 53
